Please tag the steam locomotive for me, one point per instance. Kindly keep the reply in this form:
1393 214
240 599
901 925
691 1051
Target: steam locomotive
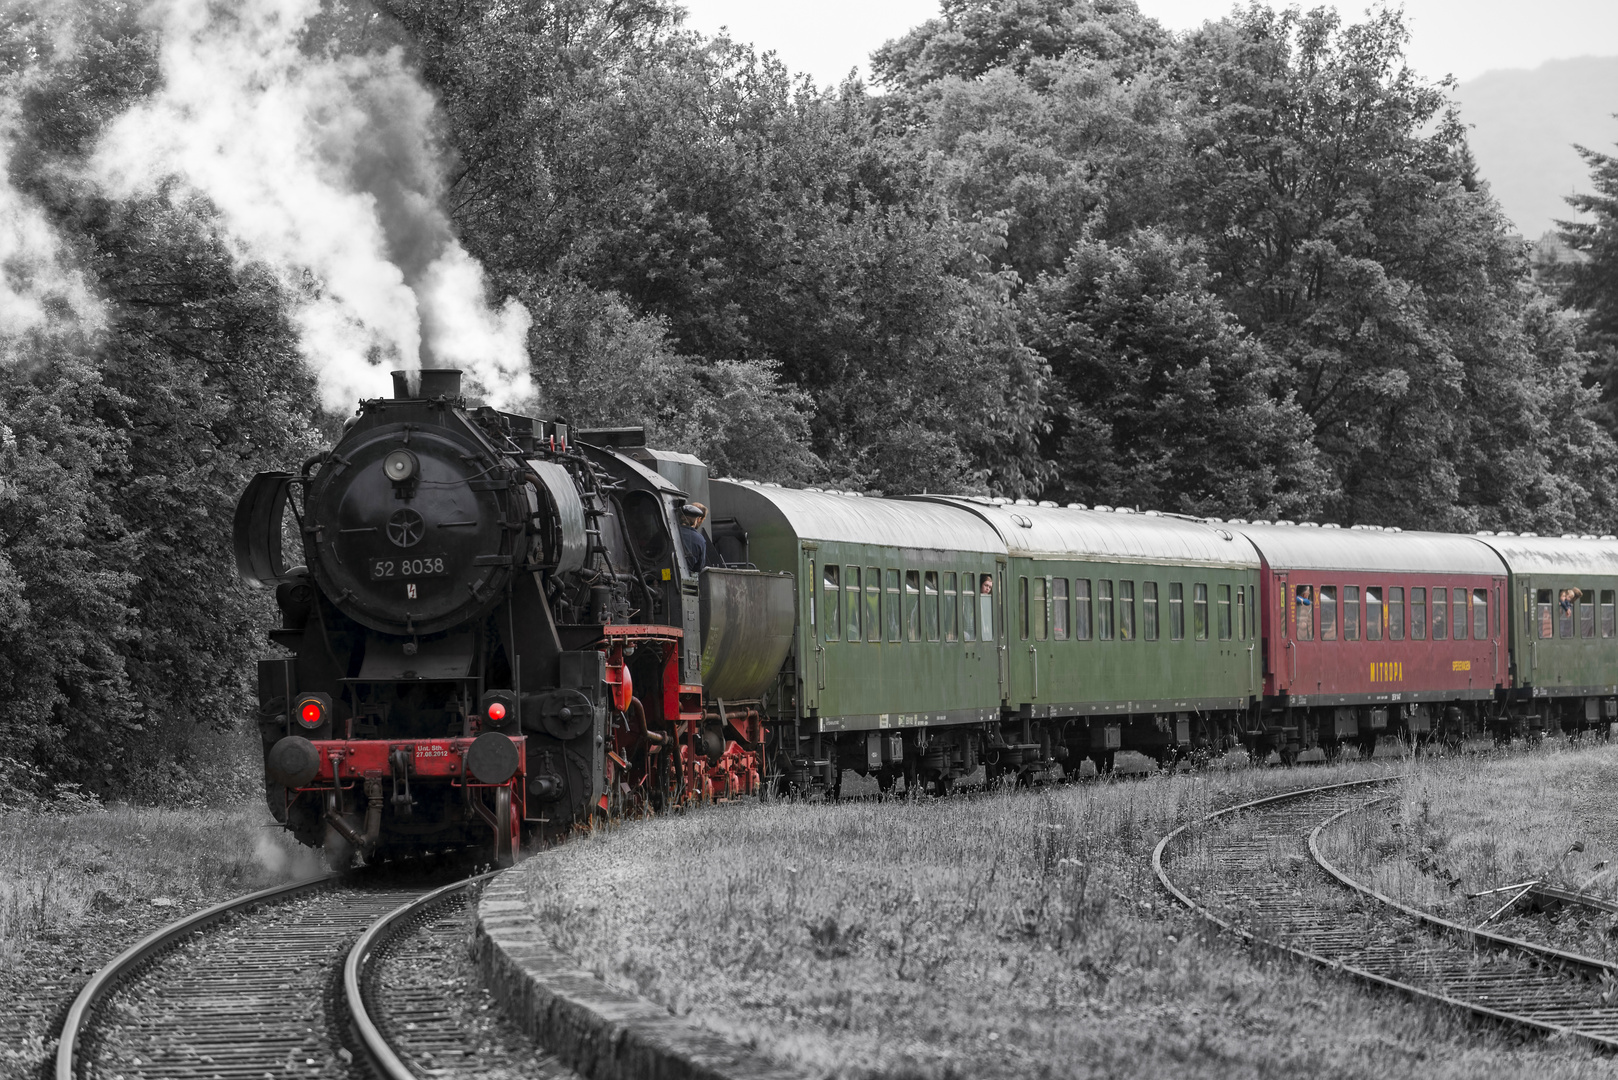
493 635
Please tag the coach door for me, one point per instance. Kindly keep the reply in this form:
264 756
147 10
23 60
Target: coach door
1498 627
1000 629
1283 649
812 651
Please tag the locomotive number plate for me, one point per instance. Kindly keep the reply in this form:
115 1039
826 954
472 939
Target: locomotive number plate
418 566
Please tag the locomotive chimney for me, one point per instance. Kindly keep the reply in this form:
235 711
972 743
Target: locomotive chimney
430 383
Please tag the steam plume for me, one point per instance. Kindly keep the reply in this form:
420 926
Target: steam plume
43 298
325 169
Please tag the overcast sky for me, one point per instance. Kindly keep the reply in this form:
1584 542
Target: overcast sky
1465 38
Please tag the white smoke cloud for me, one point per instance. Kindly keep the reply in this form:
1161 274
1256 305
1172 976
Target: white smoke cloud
43 297
324 168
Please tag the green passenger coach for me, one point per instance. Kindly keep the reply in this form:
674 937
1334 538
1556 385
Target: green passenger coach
1563 628
899 618
1149 622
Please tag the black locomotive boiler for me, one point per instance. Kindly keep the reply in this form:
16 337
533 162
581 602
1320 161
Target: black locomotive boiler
492 634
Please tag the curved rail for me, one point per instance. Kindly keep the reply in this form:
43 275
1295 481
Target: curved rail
1285 796
105 980
1516 995
1591 964
384 1059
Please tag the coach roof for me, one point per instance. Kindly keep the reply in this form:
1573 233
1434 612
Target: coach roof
839 518
1053 532
1555 555
1304 547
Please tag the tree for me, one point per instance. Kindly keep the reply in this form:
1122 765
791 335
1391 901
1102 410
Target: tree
1346 230
125 632
1163 401
769 229
1594 284
975 37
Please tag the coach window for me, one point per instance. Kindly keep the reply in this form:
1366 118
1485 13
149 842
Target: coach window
1022 603
1609 616
851 587
1546 618
890 597
913 605
1587 613
1148 610
930 603
1440 614
873 603
1328 613
1458 616
1126 611
1081 609
1199 611
1396 613
986 608
1351 612
1418 614
1304 608
949 606
1176 611
1059 609
1565 599
1037 610
1241 612
1480 615
831 611
1104 610
1373 613
1222 598
814 601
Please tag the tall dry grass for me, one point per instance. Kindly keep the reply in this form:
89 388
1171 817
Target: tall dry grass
1015 933
66 872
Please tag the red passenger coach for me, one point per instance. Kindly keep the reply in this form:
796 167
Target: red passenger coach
1369 632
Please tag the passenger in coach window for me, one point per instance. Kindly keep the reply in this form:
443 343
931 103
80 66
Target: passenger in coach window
1569 597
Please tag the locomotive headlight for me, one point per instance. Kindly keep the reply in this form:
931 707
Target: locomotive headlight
401 465
312 710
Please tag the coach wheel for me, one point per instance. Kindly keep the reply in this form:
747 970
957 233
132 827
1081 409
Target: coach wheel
507 828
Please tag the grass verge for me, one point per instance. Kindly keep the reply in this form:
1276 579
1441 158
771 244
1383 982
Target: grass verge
1015 933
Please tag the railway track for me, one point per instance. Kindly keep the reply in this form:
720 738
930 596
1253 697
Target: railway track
314 979
1258 871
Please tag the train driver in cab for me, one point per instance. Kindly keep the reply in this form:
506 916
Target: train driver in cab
699 551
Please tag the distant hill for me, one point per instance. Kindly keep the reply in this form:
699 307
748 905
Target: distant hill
1523 124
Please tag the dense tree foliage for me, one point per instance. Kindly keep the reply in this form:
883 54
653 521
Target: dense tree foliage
124 445
1248 270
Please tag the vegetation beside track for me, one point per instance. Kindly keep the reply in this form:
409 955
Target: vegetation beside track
1007 934
79 883
1465 825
